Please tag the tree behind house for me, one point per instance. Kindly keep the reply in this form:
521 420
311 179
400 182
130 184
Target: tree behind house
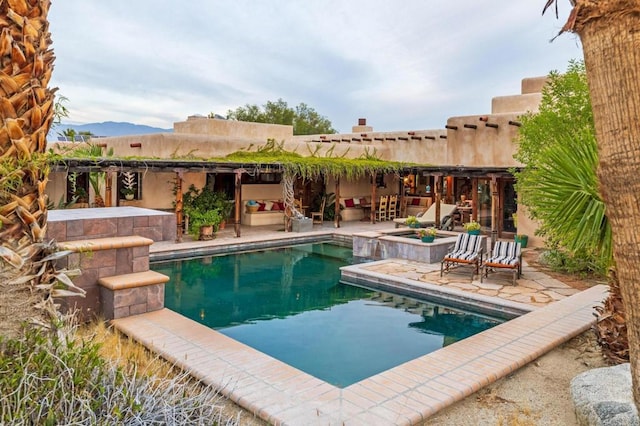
304 119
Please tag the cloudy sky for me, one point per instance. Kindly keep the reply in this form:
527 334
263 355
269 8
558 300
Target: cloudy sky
403 65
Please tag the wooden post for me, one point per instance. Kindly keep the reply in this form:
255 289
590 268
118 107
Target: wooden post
238 201
179 217
107 189
438 185
373 198
336 216
474 199
494 209
403 200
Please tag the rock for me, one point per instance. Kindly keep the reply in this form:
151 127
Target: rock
603 397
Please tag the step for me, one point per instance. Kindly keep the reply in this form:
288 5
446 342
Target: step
134 280
131 294
108 243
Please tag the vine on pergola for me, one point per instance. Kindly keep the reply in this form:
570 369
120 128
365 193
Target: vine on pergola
312 167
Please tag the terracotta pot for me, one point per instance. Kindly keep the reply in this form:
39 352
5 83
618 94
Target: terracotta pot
206 233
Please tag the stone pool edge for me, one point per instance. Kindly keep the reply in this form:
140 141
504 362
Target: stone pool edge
406 394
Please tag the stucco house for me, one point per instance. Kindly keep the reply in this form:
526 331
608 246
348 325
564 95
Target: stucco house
470 156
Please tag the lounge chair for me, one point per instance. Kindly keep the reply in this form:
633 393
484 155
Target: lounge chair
468 250
506 256
428 218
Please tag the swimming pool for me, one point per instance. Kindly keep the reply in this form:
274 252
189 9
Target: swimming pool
289 304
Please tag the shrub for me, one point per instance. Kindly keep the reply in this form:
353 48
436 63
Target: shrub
49 379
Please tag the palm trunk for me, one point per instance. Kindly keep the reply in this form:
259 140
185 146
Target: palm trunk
610 35
26 112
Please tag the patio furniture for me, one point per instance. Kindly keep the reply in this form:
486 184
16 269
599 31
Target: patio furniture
318 217
381 211
468 250
505 256
428 218
393 207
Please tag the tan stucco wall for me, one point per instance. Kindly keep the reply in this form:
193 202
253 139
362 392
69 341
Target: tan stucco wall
516 103
262 192
532 84
362 187
56 187
482 146
234 129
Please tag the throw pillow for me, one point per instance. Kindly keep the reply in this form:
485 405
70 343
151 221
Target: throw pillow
356 202
262 206
281 204
349 202
364 200
268 205
415 202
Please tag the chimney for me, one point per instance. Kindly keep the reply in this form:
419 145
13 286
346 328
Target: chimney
361 127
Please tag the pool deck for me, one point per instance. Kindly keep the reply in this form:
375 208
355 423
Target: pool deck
404 395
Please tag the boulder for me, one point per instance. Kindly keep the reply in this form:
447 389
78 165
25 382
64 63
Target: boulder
603 397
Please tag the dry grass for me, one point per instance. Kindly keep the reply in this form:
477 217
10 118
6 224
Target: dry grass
137 360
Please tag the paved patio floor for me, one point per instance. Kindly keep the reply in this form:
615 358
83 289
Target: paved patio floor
404 395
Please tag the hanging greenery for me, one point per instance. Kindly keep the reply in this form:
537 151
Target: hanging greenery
273 153
314 166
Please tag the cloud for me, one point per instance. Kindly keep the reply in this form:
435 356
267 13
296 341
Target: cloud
403 65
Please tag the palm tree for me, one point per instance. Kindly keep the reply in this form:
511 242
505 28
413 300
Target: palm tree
610 36
27 275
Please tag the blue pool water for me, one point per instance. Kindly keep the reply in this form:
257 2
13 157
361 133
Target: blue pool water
289 303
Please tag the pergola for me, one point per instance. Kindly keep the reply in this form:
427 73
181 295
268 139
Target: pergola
110 165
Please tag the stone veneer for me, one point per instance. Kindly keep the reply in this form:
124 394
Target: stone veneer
132 294
81 224
99 226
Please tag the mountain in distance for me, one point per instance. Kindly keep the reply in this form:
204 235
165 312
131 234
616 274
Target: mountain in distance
108 128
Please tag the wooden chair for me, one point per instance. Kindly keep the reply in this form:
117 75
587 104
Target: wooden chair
318 217
505 256
298 205
393 207
381 211
468 250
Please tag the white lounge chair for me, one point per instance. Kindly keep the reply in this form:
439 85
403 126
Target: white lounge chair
468 250
505 256
428 218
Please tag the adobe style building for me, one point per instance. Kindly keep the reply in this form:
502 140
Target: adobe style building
471 156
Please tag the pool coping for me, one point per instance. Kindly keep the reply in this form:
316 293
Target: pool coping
404 395
359 275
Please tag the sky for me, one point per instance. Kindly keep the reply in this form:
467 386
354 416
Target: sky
402 65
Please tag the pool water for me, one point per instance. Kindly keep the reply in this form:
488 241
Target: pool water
289 304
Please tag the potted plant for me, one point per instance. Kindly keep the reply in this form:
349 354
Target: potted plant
472 227
202 209
224 206
412 222
128 185
203 224
427 235
522 239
